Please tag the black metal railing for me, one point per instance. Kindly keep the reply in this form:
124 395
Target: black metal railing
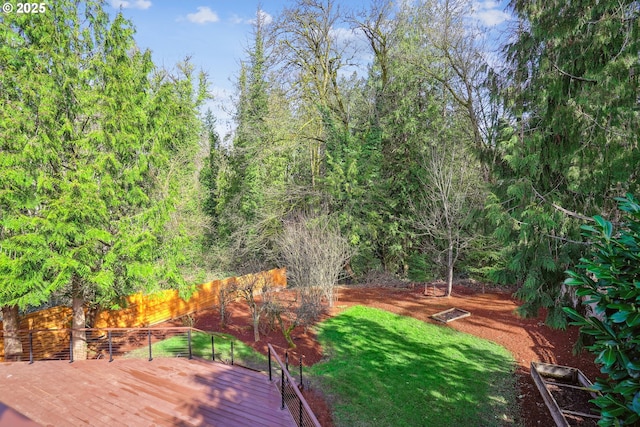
109 343
290 394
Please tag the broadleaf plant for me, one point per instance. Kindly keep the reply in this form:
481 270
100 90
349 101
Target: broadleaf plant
608 280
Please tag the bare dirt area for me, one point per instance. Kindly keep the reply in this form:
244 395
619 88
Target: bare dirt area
492 317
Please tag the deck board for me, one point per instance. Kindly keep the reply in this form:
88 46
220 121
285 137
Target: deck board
136 392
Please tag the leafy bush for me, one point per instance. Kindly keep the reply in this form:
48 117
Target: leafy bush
609 281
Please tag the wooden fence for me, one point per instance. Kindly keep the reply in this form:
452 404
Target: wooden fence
146 310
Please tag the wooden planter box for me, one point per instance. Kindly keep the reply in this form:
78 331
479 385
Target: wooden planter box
450 315
565 391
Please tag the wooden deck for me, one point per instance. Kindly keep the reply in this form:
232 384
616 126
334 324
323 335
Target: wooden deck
136 392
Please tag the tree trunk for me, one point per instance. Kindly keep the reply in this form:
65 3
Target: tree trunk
256 327
449 270
223 314
10 326
79 321
351 278
329 295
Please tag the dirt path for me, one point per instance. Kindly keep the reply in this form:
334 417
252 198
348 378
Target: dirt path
492 317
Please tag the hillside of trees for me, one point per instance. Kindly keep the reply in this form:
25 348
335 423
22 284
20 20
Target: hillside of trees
391 129
438 162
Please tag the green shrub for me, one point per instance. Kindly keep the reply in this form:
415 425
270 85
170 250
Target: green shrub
609 279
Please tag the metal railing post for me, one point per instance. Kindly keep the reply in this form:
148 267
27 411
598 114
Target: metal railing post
150 354
213 349
286 360
282 387
269 351
301 384
110 347
231 352
30 347
71 346
190 347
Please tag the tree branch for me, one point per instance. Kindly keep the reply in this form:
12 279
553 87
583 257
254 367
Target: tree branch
571 76
561 209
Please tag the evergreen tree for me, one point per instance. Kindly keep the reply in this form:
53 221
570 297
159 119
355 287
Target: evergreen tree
211 170
569 139
94 147
249 177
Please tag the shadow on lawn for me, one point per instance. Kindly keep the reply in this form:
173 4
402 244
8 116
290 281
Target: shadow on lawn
391 369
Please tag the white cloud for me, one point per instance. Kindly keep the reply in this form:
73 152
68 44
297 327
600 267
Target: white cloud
266 18
490 13
135 4
236 19
486 4
203 16
491 18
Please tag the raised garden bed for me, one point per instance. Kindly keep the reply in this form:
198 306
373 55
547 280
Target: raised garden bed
450 315
566 393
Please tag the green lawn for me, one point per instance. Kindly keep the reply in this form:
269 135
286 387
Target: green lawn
390 370
201 347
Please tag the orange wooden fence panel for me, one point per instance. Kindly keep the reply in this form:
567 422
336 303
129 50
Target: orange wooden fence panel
147 310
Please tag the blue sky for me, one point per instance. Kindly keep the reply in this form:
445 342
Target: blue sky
215 34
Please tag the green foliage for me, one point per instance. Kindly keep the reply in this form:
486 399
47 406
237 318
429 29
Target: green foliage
481 258
385 369
351 172
563 150
608 280
246 181
98 145
419 269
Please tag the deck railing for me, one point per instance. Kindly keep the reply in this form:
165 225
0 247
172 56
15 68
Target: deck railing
290 394
111 343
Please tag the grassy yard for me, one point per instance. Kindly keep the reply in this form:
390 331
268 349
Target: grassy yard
201 347
389 370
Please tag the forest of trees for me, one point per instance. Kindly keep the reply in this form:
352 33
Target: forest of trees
440 160
393 126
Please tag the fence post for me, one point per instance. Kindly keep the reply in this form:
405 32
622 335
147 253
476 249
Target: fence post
286 360
110 347
149 335
232 352
190 347
30 347
213 349
71 346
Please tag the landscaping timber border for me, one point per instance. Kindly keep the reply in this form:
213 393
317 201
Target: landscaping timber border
546 374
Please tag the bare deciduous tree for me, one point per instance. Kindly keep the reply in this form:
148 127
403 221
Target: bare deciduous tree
315 253
226 293
248 287
451 193
288 314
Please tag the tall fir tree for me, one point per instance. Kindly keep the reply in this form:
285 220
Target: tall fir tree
569 140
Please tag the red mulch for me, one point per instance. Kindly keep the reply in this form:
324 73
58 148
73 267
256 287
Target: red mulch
492 317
